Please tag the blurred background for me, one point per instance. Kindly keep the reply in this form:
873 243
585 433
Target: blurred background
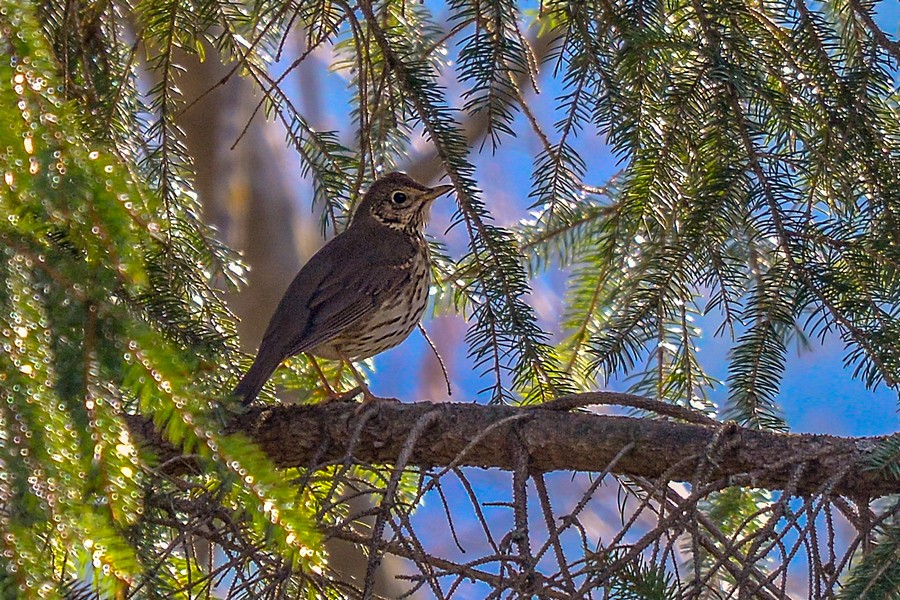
252 191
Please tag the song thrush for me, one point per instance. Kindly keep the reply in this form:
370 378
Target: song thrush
362 293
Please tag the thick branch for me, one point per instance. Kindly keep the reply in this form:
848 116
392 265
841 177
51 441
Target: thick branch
485 436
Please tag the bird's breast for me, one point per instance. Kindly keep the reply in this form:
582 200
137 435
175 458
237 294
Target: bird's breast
400 308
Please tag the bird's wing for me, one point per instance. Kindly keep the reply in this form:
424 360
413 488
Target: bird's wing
341 301
332 291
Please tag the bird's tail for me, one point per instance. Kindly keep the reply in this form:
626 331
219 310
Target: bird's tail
254 379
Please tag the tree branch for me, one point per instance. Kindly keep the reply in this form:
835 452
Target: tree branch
484 436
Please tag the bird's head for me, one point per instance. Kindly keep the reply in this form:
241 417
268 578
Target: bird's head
398 201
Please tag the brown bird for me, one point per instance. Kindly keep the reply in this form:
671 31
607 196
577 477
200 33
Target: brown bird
362 293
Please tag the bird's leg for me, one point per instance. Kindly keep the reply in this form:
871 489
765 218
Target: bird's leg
368 396
332 395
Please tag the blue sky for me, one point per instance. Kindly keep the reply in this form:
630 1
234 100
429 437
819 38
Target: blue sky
818 394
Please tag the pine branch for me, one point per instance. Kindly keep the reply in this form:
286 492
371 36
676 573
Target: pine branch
877 573
889 45
484 436
492 59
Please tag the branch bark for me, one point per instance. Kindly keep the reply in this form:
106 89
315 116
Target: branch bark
486 437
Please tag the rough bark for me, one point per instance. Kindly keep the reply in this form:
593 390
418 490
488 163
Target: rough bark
487 436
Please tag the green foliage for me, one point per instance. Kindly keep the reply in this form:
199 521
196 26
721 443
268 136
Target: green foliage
491 58
739 513
758 192
109 307
636 580
747 180
876 576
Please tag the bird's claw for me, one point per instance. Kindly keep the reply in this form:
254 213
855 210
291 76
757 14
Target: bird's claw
347 396
369 399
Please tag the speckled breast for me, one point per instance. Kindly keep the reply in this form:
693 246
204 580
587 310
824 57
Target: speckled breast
392 322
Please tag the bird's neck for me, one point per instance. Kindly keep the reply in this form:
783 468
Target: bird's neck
412 229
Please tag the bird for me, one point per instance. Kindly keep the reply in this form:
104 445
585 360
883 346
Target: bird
362 293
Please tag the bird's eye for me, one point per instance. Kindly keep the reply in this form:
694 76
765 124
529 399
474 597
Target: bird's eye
398 197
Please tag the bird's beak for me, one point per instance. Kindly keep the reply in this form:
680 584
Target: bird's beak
436 191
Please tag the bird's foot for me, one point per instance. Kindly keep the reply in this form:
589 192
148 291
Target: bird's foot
370 399
347 396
